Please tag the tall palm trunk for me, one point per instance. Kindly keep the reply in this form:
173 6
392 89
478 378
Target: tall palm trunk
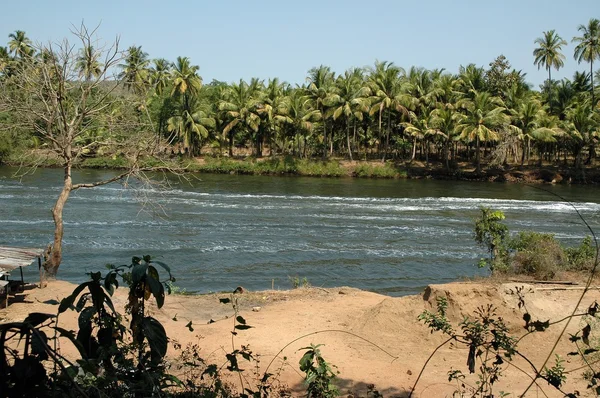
478 154
348 140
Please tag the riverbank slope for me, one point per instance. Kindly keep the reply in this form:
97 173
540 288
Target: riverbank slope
373 339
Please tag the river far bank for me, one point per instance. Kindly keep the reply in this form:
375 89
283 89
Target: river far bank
372 339
333 168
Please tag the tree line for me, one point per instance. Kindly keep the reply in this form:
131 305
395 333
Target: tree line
377 112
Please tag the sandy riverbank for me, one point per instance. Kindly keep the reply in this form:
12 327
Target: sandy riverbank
339 316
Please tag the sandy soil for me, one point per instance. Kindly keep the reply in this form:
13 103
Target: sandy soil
373 339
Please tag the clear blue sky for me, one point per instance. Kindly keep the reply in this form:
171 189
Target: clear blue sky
230 40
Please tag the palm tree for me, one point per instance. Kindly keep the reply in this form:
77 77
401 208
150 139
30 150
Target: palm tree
320 82
20 45
191 127
192 121
386 87
471 80
303 117
4 60
548 53
588 46
185 77
160 75
240 107
583 127
530 124
272 108
88 64
483 116
443 119
350 100
134 72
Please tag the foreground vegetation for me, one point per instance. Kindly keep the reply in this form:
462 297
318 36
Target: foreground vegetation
480 115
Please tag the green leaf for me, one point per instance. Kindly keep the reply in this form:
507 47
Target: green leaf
157 338
189 326
240 319
224 300
138 273
157 289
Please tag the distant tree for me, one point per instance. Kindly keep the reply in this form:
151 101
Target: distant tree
588 46
134 71
482 118
20 45
548 54
385 81
88 64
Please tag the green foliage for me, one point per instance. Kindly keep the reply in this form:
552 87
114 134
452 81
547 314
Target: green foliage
556 374
319 374
386 170
299 282
491 232
581 257
538 255
437 321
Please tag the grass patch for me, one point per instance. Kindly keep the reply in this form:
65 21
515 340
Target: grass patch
380 170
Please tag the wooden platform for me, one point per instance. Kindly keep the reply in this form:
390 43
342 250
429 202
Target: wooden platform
12 258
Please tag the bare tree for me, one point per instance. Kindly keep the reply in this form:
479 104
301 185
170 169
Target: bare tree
62 104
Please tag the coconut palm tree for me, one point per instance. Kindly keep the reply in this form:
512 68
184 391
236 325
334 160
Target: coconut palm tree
191 126
88 63
386 81
4 60
583 127
240 108
303 119
272 108
320 83
443 120
160 74
135 72
548 53
588 46
481 120
349 101
20 45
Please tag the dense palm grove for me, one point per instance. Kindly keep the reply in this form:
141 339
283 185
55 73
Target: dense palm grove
484 115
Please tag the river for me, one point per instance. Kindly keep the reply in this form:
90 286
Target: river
220 231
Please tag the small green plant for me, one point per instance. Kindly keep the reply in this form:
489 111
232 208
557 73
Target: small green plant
556 374
319 374
298 282
491 232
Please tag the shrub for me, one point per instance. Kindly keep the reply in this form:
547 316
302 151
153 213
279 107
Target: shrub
581 257
538 255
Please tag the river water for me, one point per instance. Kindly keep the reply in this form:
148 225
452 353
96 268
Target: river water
220 231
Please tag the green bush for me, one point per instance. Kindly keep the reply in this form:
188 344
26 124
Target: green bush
581 257
538 255
385 170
